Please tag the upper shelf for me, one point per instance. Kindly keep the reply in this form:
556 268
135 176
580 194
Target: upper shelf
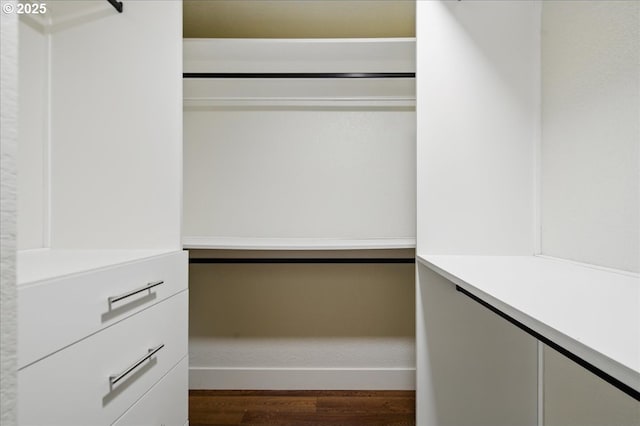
590 311
346 55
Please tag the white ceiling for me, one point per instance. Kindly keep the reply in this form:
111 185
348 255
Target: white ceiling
298 18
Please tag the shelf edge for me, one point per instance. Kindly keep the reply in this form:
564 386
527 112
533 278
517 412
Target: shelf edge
296 243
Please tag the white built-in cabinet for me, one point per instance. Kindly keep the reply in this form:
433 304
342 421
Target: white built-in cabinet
102 278
528 202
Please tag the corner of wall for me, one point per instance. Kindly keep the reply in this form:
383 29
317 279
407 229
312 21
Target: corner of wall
8 291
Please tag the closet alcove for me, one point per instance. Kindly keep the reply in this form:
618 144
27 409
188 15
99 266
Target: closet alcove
299 201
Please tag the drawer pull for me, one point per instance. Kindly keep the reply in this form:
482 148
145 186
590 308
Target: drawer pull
136 291
117 377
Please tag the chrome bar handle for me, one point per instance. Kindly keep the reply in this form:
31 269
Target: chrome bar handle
149 286
117 377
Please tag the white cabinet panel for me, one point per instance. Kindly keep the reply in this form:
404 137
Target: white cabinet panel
165 404
56 313
72 387
116 166
477 96
574 396
539 291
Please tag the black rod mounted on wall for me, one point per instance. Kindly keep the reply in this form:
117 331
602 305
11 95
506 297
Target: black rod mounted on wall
573 357
299 74
117 4
302 260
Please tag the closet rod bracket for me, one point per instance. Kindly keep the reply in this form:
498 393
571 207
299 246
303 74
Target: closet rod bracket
117 5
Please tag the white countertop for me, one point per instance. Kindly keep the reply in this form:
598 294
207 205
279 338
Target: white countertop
591 311
44 264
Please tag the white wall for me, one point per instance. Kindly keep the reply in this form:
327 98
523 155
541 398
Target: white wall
477 92
477 103
302 326
591 131
33 135
99 141
300 172
590 174
8 187
306 19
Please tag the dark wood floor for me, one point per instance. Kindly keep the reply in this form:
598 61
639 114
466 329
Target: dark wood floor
301 408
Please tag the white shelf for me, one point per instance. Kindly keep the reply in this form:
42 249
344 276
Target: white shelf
45 264
592 312
372 102
231 243
206 93
300 55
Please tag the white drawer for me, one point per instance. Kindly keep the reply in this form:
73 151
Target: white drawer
72 386
56 313
166 404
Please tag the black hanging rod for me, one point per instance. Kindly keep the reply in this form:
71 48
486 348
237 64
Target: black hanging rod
314 260
299 74
117 4
573 357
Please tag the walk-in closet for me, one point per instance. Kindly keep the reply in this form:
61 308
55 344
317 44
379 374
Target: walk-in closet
293 212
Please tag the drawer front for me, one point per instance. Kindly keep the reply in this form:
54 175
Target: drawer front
57 313
73 386
165 404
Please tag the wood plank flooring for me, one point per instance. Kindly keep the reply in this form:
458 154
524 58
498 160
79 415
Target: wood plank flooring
301 408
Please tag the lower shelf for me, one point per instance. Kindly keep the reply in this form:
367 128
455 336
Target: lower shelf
238 243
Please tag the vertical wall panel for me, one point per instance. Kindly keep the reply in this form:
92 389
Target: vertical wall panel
116 113
477 115
590 174
474 368
8 188
591 132
477 91
33 135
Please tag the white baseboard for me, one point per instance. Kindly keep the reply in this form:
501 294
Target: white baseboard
303 378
